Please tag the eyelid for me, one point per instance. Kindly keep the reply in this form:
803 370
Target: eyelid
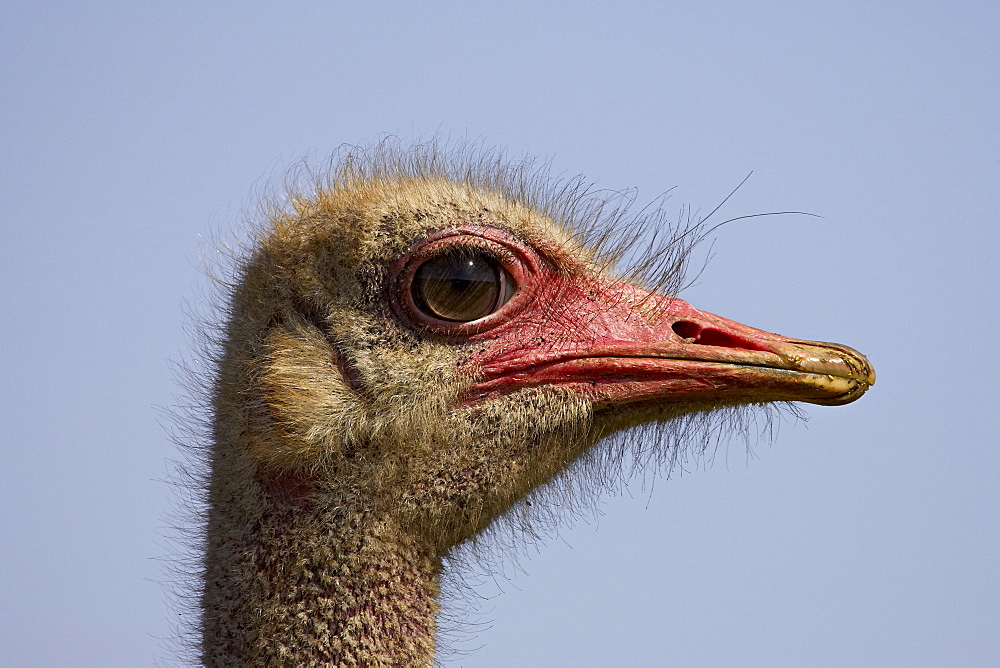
520 263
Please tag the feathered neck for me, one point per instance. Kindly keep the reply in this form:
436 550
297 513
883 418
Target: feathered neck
290 581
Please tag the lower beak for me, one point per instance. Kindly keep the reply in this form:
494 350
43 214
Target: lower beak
782 370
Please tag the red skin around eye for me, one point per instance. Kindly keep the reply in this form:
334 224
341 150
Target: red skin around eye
616 343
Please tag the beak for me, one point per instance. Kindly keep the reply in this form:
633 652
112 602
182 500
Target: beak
631 346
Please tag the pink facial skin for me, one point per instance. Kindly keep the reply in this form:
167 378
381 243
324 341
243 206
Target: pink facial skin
569 327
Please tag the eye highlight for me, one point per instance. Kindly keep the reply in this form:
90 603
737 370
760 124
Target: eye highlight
461 285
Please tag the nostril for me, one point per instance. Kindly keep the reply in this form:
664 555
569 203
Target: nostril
695 333
687 330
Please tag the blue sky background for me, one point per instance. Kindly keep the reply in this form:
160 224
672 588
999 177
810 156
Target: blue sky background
868 536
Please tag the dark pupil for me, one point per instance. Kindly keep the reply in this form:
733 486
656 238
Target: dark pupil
459 285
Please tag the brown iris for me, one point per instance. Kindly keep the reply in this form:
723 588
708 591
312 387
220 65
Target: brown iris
461 285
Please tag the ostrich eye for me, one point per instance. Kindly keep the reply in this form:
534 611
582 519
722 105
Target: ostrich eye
461 285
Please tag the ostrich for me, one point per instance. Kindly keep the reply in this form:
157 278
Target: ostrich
409 351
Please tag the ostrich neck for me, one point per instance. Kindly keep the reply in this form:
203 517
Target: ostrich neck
290 583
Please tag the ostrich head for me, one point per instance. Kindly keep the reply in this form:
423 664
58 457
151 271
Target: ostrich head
417 346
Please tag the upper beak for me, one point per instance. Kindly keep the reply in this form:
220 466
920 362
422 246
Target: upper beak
639 346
